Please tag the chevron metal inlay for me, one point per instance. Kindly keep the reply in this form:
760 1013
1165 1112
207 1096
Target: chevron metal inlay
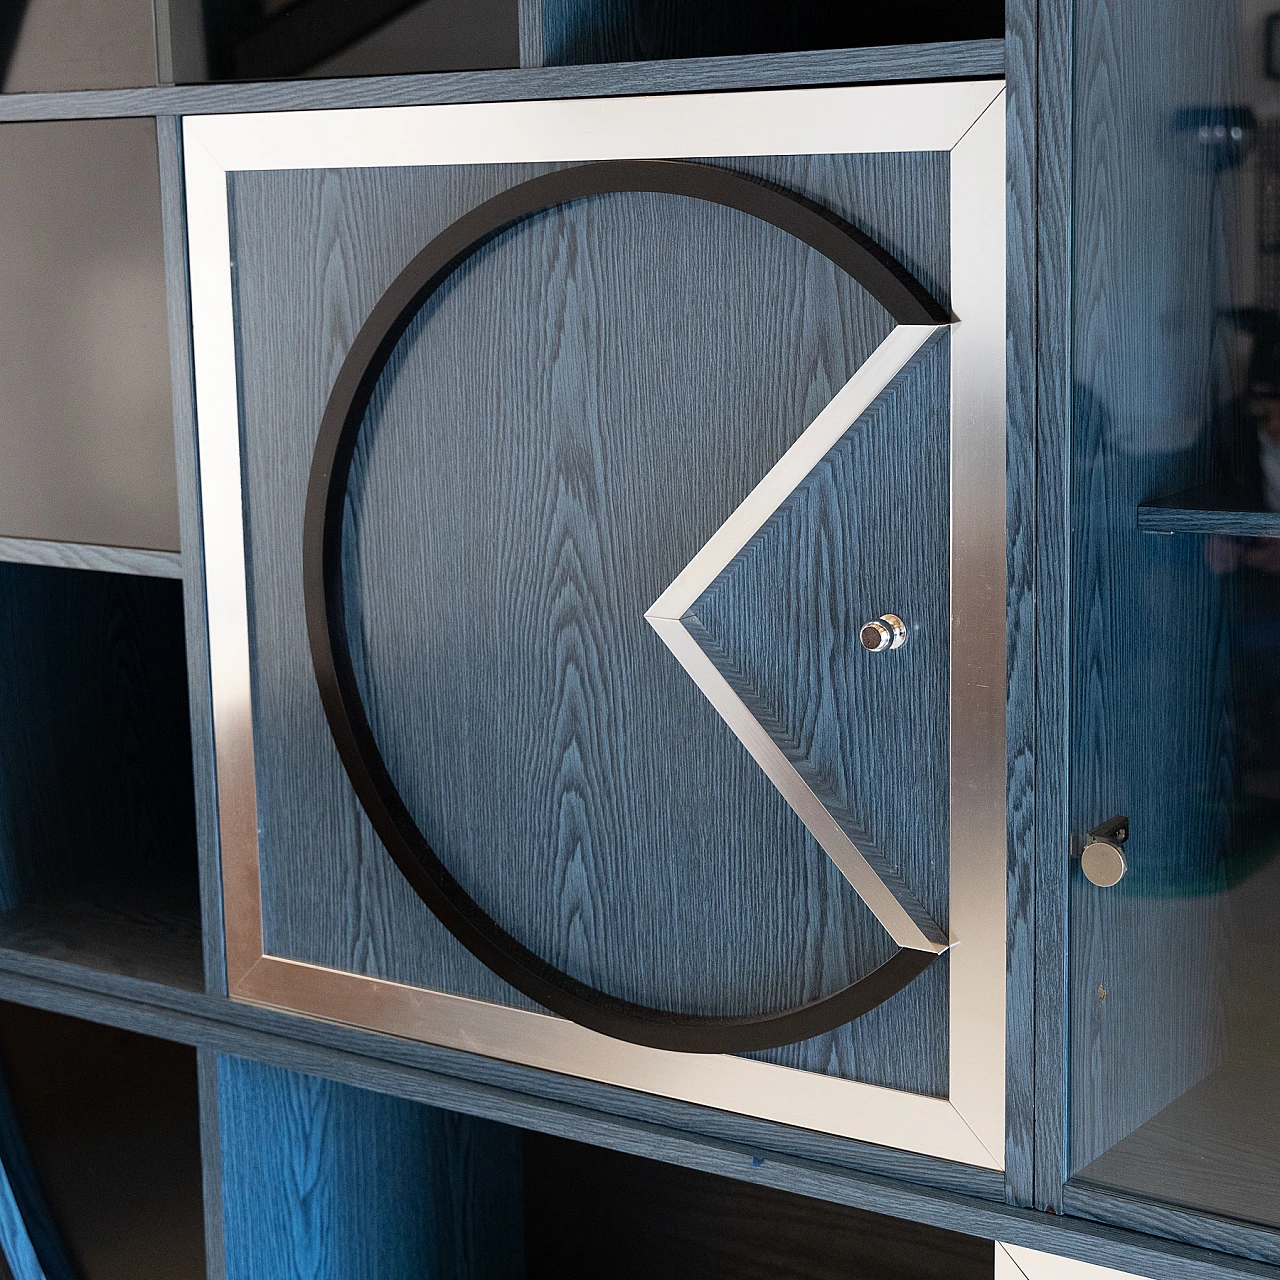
865 868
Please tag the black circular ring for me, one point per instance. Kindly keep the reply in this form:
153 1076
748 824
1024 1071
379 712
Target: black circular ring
882 276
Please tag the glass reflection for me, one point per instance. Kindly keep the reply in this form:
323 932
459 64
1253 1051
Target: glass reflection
278 39
1175 972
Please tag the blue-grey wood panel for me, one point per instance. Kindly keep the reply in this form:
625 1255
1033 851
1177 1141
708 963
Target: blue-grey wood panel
1021 26
215 1247
866 533
1207 509
83 555
575 402
951 60
1050 437
1151 731
328 1182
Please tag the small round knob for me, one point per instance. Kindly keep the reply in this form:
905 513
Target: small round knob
886 632
1103 863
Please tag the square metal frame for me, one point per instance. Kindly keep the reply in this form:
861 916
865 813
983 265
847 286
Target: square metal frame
966 119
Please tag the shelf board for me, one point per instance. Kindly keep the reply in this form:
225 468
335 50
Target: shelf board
950 60
155 938
1207 510
81 555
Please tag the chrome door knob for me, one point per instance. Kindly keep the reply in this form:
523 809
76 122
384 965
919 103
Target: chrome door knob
887 632
1103 863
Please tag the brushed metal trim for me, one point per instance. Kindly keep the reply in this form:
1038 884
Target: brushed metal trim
865 867
969 1126
978 641
803 1098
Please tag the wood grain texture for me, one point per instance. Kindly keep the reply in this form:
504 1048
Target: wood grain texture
215 1244
1021 37
95 785
755 1151
154 936
867 532
1212 1150
590 1211
1171 1222
1151 730
1054 180
79 555
173 220
586 31
1206 510
954 60
321 1180
541 593
532 41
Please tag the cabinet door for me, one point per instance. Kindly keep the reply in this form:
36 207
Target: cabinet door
1173 1021
614 631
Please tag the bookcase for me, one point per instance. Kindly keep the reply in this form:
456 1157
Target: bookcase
171 1103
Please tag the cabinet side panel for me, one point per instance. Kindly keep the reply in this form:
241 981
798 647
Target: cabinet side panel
335 1183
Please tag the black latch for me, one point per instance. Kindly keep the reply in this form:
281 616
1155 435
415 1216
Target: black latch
1114 829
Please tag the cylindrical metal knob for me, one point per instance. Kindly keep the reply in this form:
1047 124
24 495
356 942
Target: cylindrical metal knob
1103 864
886 632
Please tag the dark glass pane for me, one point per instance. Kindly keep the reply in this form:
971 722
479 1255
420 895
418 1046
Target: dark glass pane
86 410
276 39
581 31
76 44
1175 635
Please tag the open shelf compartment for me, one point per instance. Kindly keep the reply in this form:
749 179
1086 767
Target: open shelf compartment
97 814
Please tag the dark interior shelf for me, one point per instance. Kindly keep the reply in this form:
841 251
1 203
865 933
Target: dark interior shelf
152 936
103 1135
1207 509
97 810
589 1211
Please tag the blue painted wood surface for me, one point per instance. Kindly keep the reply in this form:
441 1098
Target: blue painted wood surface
949 60
866 533
573 415
1050 34
1206 510
328 1182
1021 23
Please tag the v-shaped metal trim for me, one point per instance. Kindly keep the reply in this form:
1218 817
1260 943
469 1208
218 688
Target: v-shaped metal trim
866 869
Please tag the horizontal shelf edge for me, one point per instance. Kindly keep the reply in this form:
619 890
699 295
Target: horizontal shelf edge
1261 1244
961 59
335 1052
82 555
